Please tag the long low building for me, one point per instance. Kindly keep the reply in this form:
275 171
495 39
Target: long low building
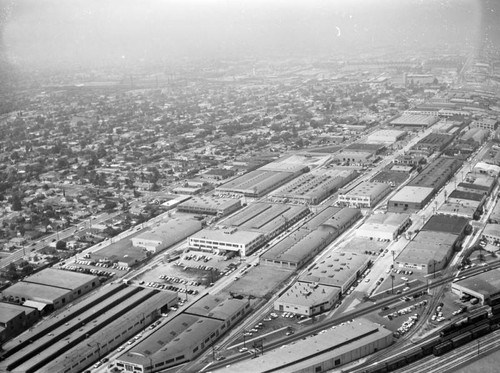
482 286
15 319
301 246
428 252
75 339
385 136
414 121
384 226
315 186
410 199
339 269
166 234
186 336
258 183
53 287
308 299
210 206
321 353
437 173
270 219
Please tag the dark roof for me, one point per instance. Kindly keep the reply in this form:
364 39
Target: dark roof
446 224
363 147
466 195
474 186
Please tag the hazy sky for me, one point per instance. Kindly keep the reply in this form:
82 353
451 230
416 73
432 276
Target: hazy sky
48 31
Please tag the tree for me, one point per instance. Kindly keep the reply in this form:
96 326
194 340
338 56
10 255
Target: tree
61 245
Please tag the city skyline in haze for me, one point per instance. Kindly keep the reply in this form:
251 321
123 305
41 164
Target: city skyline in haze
50 32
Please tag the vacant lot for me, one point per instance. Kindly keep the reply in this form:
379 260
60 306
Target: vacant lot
258 281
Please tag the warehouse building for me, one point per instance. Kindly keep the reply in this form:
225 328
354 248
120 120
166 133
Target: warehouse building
410 199
166 234
15 319
221 241
457 226
461 203
477 183
437 173
428 252
384 226
315 186
74 340
482 286
430 144
321 353
495 214
302 245
385 136
258 183
487 168
210 206
186 336
297 250
270 219
475 136
364 195
361 147
491 233
414 121
304 298
52 287
485 123
354 157
339 269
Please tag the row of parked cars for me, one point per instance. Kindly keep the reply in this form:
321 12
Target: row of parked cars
157 285
94 271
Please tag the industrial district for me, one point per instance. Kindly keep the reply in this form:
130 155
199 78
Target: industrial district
254 216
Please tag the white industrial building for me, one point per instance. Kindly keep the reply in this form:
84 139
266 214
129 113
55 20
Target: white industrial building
166 234
224 240
385 136
308 299
384 226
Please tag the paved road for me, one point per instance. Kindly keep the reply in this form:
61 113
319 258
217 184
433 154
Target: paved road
61 235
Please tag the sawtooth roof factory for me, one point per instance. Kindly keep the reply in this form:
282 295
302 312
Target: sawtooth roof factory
315 186
414 121
258 183
420 190
269 219
74 340
297 249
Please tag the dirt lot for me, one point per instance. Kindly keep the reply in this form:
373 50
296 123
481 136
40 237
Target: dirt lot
258 281
361 245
